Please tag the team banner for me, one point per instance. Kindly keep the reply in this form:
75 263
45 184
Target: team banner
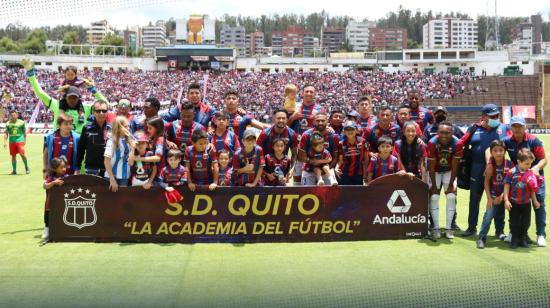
392 207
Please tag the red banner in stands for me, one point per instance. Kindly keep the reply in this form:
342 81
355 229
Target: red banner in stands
392 207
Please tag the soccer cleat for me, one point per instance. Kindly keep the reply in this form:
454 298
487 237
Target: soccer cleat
13 173
46 233
449 234
508 238
541 241
501 236
437 233
480 244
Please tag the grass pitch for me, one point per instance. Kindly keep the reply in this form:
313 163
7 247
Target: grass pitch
378 273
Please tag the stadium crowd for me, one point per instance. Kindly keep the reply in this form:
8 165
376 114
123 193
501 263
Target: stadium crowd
260 92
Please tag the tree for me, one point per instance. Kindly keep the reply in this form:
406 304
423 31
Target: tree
111 40
35 42
8 45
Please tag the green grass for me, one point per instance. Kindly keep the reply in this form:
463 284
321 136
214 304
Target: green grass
379 273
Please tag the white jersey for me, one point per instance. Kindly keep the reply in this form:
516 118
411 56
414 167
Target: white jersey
119 158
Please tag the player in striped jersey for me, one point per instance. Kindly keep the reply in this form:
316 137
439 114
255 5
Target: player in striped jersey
180 131
222 138
411 151
226 169
201 163
384 163
279 130
444 152
352 157
119 154
384 127
496 169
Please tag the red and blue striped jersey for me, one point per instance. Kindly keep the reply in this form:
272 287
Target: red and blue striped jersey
238 124
331 141
353 156
182 135
380 167
411 165
278 167
305 121
325 154
227 141
422 116
173 177
204 114
365 123
443 155
530 142
200 165
269 134
519 193
372 133
226 176
497 178
64 147
241 159
158 147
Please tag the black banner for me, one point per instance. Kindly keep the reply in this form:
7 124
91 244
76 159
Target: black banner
392 207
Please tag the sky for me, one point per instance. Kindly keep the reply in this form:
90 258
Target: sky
122 13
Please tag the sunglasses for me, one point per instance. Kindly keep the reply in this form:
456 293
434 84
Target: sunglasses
101 110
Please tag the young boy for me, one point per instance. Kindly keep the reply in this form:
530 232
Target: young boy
226 171
520 187
202 165
249 162
320 154
221 137
277 165
17 135
384 163
172 175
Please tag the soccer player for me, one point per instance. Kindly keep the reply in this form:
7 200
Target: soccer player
180 131
384 163
17 135
444 153
384 127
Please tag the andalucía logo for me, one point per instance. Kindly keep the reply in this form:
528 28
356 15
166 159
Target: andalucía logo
399 209
80 208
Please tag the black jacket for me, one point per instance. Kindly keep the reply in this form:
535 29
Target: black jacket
92 143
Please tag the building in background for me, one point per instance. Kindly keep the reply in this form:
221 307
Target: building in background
234 37
132 38
153 36
98 31
450 33
357 35
536 21
295 41
255 43
332 39
197 29
388 38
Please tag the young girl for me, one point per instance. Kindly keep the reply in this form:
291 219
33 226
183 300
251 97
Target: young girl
226 171
384 163
277 165
496 169
322 155
57 171
71 80
353 156
520 187
143 172
172 175
156 144
120 151
411 151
